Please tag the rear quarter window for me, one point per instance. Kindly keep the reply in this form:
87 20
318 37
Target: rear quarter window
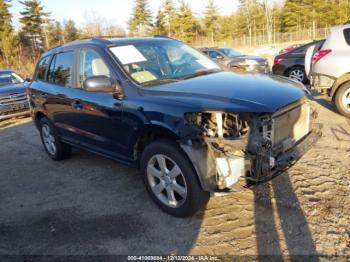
301 50
347 35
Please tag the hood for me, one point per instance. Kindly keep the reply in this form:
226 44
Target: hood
12 89
231 92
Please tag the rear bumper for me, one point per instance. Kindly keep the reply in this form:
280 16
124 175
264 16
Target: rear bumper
255 69
261 69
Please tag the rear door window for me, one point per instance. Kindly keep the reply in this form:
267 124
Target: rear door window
61 69
42 68
347 35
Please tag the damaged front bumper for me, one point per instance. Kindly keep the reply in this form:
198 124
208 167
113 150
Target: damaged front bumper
290 157
232 171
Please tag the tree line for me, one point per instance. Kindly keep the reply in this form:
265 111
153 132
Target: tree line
38 31
252 18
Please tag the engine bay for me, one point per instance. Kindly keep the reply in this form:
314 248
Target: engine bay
248 145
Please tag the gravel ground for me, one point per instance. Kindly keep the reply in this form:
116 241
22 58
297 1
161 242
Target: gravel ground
89 205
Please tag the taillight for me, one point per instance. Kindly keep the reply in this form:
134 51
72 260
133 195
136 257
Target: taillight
320 54
277 60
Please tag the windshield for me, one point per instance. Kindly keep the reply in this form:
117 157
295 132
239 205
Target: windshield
9 78
230 52
159 62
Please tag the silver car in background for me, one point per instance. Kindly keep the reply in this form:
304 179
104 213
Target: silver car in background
232 60
329 68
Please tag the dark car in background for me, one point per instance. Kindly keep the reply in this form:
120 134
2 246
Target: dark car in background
289 49
233 60
13 97
292 63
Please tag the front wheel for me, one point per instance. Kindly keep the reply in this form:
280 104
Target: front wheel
171 180
342 99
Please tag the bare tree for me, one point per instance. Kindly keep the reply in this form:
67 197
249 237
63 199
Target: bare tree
268 20
97 26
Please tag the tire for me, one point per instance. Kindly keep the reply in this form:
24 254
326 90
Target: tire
184 188
342 99
51 141
298 73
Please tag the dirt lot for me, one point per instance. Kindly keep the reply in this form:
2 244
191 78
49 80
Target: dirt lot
91 205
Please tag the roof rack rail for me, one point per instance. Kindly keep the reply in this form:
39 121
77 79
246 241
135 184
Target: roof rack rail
103 37
164 36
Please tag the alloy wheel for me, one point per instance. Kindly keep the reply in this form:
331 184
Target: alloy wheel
297 74
167 181
49 139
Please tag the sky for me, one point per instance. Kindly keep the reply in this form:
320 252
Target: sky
114 11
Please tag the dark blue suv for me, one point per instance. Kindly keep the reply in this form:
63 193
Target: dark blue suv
13 96
157 103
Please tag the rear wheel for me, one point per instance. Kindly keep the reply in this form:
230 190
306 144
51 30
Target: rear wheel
342 99
51 141
297 74
171 180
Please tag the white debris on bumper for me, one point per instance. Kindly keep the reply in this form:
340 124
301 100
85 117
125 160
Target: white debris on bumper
230 169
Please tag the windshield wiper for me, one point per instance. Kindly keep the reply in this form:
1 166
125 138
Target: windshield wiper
172 80
160 82
200 73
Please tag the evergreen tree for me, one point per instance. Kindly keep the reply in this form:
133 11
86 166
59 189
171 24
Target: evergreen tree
169 12
291 16
141 21
226 27
5 16
8 40
342 13
32 20
53 34
160 27
71 32
185 25
211 21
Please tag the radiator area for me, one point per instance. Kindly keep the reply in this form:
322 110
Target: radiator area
291 123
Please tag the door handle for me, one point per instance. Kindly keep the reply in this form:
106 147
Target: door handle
77 105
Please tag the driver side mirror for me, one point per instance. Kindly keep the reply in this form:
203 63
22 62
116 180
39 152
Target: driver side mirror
103 84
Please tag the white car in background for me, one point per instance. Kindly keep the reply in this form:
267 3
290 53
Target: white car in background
329 68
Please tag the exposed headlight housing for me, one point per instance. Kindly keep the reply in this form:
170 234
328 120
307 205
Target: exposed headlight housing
219 124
